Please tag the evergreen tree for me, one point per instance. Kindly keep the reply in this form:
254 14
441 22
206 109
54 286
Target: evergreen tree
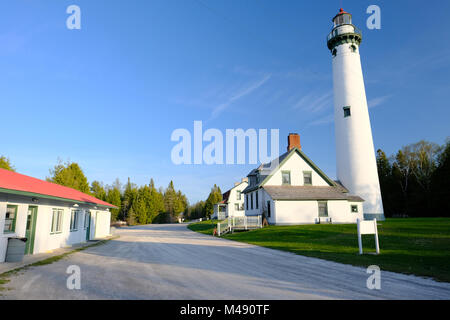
69 175
129 196
156 203
139 205
113 197
386 182
215 196
441 183
98 191
131 217
174 203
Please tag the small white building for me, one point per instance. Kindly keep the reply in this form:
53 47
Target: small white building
232 204
293 190
50 216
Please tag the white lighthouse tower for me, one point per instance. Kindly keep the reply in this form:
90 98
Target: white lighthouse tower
355 154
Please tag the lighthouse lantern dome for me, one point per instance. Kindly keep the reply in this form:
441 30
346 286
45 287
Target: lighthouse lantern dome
342 18
343 31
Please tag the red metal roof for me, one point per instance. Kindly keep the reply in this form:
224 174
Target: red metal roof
18 182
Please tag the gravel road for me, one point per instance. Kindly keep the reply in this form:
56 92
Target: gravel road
172 262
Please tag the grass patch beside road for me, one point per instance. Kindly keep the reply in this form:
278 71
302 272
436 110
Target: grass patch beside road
412 246
205 227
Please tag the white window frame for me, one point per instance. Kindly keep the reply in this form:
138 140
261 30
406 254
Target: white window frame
56 226
305 173
283 172
87 214
74 215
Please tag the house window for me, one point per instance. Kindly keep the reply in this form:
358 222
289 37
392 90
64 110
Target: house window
10 219
57 221
347 112
256 194
268 209
323 209
236 206
307 178
286 177
251 200
238 195
354 208
74 220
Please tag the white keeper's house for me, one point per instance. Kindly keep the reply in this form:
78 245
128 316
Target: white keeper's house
293 190
50 216
232 204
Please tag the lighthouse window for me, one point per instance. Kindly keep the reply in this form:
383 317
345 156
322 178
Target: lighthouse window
334 52
347 112
353 48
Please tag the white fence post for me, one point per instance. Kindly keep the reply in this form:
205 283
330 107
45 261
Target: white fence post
359 236
245 222
377 245
218 229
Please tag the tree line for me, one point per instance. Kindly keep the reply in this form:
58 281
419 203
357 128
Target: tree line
135 204
205 209
415 181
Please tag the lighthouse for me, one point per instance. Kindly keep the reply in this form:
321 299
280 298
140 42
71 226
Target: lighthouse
355 154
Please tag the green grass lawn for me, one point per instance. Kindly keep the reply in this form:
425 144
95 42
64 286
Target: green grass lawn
413 246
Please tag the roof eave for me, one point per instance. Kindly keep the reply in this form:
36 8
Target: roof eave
40 195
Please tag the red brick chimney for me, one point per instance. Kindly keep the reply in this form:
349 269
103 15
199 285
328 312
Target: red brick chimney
293 141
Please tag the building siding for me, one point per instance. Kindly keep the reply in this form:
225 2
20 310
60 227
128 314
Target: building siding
44 240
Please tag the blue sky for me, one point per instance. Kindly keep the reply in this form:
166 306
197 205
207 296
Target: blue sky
109 96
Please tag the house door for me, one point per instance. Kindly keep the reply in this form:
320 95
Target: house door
87 224
30 230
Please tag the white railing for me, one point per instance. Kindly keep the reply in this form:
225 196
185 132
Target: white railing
239 223
223 227
221 215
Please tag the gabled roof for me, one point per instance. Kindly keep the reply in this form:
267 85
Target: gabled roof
225 196
267 170
16 183
309 193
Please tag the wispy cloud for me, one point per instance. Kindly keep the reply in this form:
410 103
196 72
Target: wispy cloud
321 121
314 102
239 95
378 101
